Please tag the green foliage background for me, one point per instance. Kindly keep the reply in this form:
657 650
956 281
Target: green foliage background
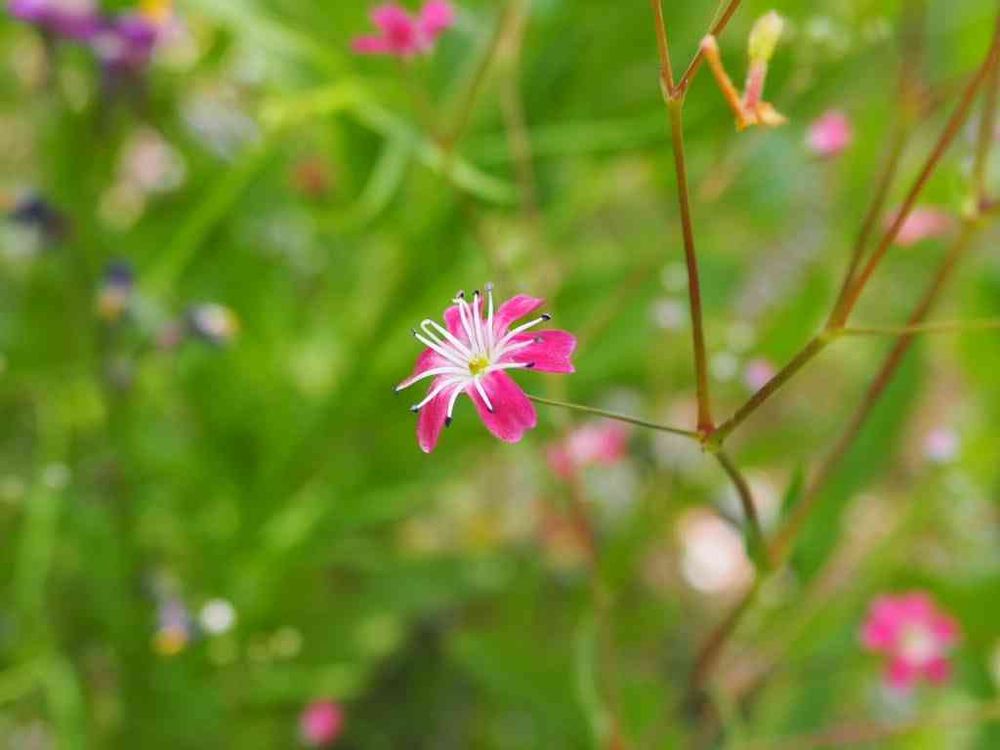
282 474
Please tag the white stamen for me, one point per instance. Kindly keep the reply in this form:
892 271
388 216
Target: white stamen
491 338
439 348
451 405
429 374
524 327
443 385
482 393
446 334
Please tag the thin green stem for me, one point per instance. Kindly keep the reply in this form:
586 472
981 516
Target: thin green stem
721 21
663 50
951 131
808 352
757 542
618 417
944 326
675 109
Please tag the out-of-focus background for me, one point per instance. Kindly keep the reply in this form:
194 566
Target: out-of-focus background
214 516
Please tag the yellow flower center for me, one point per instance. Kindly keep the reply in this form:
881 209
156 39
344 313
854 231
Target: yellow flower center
478 365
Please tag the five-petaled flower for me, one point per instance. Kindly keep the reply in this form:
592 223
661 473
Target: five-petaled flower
915 636
404 35
472 353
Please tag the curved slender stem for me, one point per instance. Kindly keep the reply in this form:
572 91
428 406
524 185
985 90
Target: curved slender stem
617 417
717 28
944 326
948 136
756 540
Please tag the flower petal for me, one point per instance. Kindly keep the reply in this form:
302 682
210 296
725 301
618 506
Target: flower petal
427 360
453 319
513 309
901 673
370 45
938 670
512 415
550 351
436 17
431 419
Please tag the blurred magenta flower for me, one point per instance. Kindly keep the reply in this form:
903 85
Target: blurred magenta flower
914 635
472 356
403 35
830 134
599 443
923 223
321 723
68 19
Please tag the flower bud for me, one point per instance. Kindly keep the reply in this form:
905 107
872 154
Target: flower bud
764 37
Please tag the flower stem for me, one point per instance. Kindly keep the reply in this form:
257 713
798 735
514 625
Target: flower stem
810 350
952 129
675 109
718 26
756 543
618 417
946 326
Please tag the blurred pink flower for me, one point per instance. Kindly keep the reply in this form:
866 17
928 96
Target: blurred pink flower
321 723
758 373
915 636
830 134
599 443
403 35
472 356
941 445
921 224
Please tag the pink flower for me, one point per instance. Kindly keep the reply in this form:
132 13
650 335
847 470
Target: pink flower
472 356
915 637
758 373
941 445
321 723
600 443
830 134
921 224
403 35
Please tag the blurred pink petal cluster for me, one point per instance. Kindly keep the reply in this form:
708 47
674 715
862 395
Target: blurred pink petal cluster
923 223
597 444
830 134
914 635
404 35
321 723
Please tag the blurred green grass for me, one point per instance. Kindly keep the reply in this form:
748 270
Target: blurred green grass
281 474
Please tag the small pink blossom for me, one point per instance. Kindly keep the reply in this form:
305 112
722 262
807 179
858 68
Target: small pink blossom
921 224
830 134
404 35
941 445
321 723
599 443
758 373
472 354
915 637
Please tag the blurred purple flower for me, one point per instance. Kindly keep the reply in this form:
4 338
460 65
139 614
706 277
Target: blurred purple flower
68 19
321 723
39 215
125 43
116 291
